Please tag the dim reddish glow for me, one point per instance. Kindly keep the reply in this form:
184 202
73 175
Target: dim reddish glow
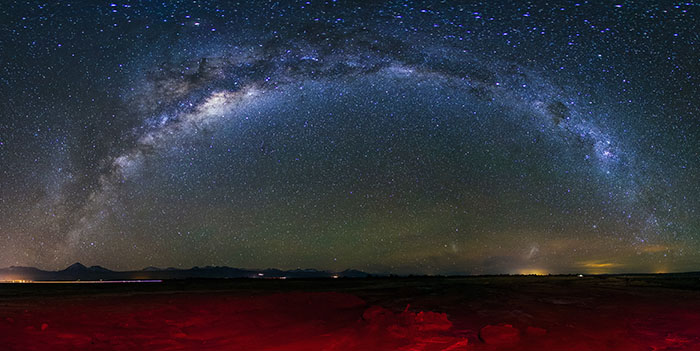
332 321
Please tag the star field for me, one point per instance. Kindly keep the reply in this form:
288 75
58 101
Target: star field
389 137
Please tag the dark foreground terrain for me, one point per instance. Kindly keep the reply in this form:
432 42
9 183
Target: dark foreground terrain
655 312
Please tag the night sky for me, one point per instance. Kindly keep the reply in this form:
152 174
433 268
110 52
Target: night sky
398 137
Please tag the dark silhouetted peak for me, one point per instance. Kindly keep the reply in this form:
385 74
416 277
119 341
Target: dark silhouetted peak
98 269
306 270
76 267
151 269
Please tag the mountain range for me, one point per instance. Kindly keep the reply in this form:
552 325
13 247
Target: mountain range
78 271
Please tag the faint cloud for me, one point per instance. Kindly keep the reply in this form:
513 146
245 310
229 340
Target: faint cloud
599 264
654 248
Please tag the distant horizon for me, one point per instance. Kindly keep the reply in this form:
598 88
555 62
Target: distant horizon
374 273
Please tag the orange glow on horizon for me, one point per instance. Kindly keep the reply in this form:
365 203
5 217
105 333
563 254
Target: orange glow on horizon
532 271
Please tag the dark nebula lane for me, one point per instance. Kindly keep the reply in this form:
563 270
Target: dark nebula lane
387 137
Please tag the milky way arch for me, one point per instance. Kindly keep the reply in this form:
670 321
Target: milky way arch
185 97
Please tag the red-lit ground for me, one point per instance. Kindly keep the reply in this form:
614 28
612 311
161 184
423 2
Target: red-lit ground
500 313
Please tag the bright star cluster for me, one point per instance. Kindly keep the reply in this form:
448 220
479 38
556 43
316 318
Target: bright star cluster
397 136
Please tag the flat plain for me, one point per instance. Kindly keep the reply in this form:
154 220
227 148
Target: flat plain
620 312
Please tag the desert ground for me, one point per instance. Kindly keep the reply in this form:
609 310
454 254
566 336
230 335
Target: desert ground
622 313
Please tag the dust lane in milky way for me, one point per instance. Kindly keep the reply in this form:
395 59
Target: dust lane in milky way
388 137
